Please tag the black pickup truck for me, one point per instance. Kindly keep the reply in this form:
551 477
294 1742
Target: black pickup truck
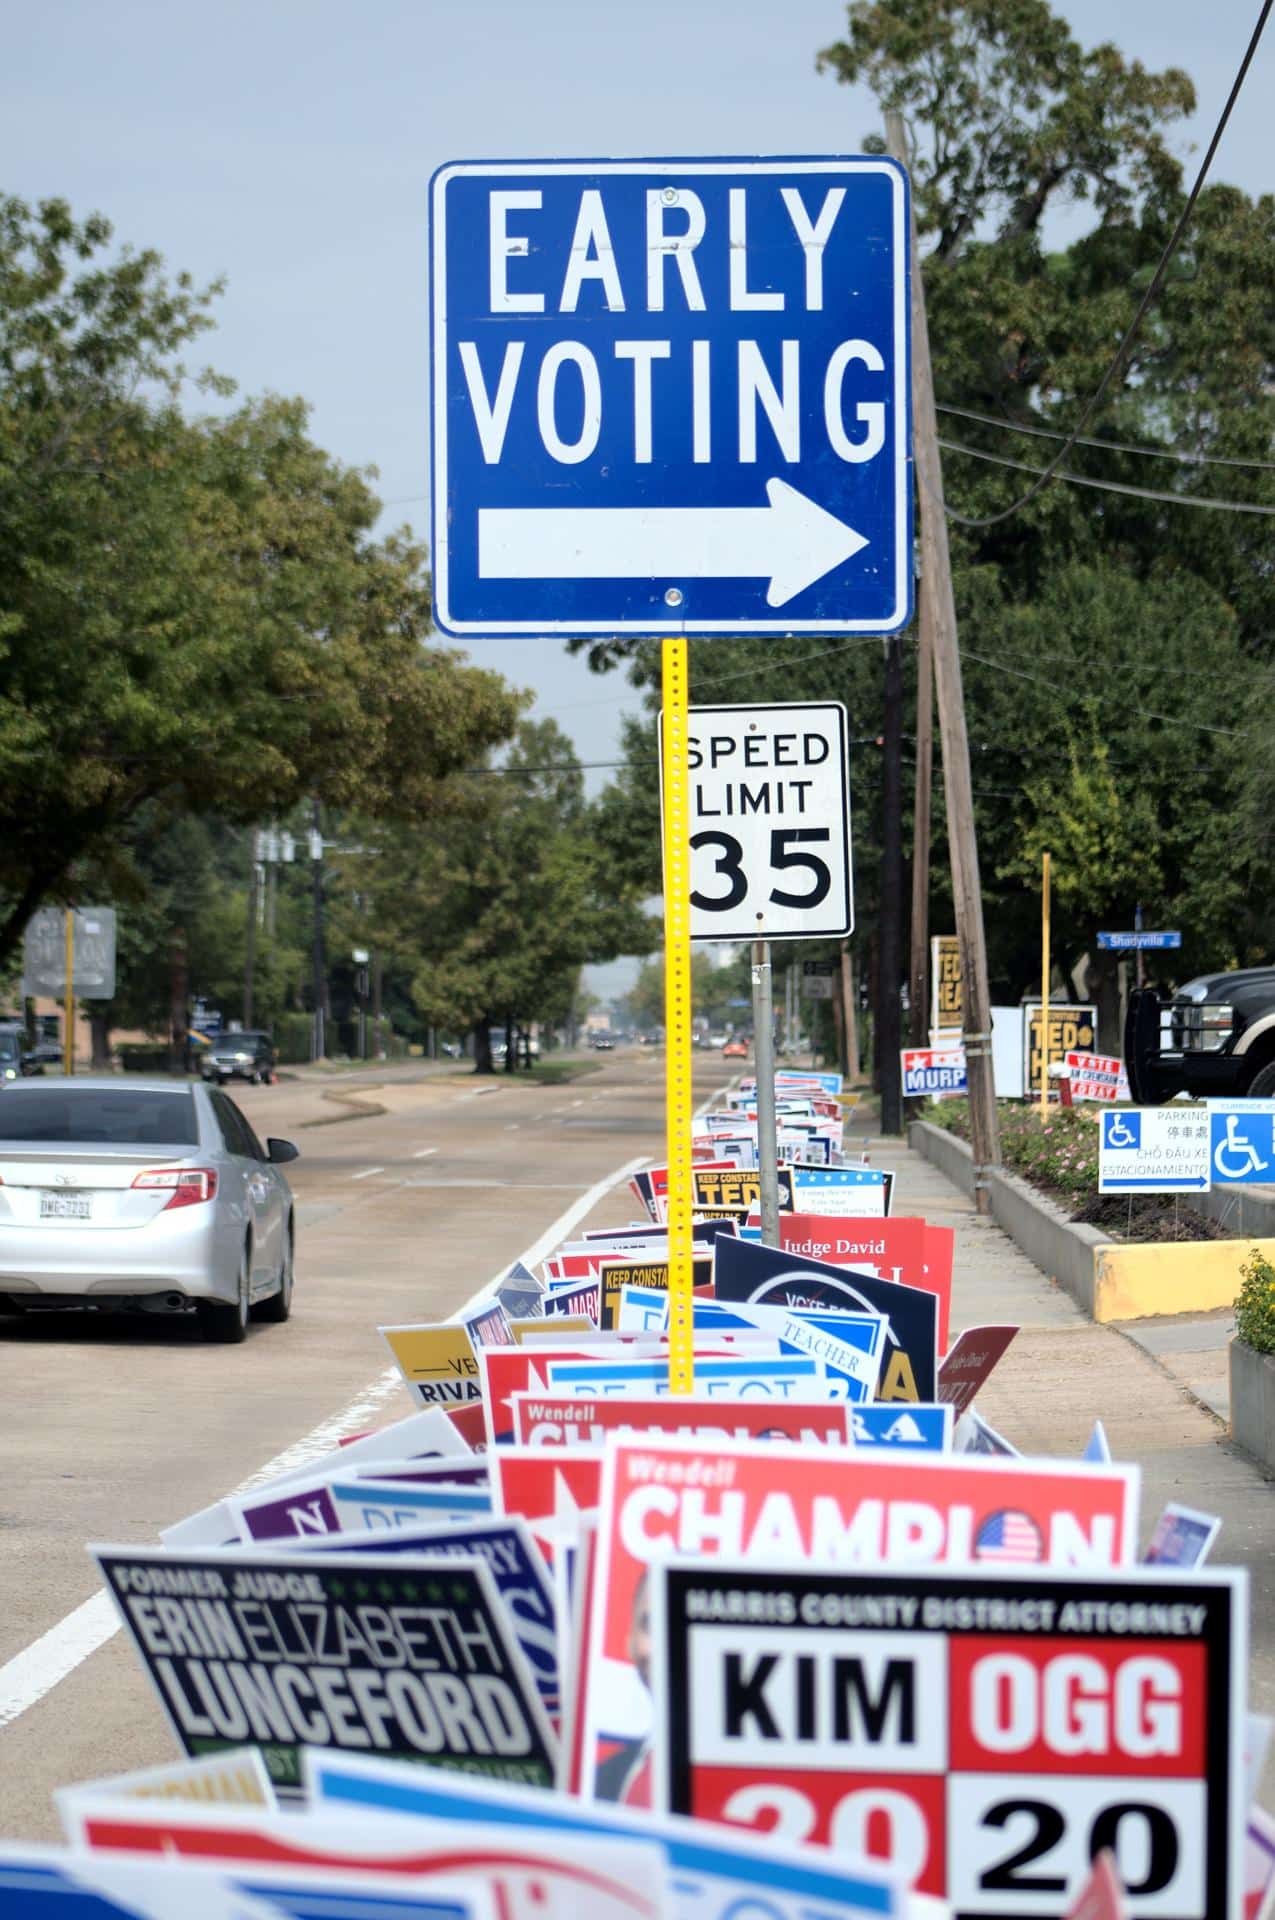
1216 1036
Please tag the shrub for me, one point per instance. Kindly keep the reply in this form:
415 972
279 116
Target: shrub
143 1056
1255 1308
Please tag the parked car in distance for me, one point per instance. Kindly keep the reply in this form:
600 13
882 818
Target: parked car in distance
46 1056
736 1050
14 1054
143 1194
239 1056
603 1043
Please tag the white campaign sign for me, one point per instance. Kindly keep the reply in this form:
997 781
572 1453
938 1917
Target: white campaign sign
770 823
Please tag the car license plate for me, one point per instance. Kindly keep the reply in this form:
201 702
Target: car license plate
65 1206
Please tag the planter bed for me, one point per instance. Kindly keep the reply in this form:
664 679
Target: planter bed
1108 1274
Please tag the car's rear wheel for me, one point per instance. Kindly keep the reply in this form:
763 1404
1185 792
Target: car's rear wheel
279 1306
226 1322
1262 1085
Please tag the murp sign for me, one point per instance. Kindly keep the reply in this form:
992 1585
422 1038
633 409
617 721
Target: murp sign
670 395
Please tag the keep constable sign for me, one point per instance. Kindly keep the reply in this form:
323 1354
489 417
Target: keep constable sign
670 395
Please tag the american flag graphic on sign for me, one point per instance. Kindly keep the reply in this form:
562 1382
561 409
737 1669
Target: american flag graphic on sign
1009 1536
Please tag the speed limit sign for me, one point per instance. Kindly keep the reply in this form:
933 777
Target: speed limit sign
770 823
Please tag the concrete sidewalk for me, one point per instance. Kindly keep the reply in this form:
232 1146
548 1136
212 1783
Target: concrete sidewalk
1063 1372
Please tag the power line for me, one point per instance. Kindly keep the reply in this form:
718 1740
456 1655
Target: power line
1046 474
1055 472
1116 446
1147 713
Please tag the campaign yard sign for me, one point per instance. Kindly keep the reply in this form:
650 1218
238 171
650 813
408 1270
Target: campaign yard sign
437 1363
770 1276
852 1191
529 1877
1071 1030
970 1361
930 1071
714 1873
572 1420
516 1566
1003 1728
661 1497
614 1275
275 1650
1097 1076
48 1883
903 1248
550 1487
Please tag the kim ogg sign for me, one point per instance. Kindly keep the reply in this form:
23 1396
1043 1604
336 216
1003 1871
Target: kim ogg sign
670 395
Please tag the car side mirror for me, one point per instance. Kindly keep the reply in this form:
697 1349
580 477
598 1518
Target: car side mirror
278 1152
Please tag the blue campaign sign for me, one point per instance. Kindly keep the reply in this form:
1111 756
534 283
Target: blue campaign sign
914 1428
1241 1145
1133 942
670 395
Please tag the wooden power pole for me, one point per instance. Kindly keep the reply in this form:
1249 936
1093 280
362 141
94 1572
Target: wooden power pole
936 577
919 968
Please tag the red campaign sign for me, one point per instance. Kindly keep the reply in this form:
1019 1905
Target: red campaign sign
987 1733
549 1486
471 1424
898 1247
1096 1076
573 1420
509 1370
663 1496
529 1874
972 1358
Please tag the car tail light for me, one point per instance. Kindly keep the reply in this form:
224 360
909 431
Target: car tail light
186 1186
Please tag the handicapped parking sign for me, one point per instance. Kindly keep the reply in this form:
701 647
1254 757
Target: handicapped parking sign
1242 1147
1122 1132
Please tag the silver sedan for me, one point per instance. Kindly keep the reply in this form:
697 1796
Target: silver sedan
150 1194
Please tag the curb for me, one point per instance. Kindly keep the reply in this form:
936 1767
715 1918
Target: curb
359 1109
1064 1251
1110 1280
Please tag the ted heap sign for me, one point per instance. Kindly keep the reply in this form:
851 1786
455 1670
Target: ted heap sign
770 823
670 395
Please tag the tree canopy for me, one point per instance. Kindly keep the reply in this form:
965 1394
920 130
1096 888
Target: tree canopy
194 615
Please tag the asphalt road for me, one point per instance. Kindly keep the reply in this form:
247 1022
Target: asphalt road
113 1427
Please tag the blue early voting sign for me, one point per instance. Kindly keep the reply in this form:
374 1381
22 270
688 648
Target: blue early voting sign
670 395
1241 1144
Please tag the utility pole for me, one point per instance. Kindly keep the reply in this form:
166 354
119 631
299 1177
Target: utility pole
849 1013
250 930
319 971
919 969
890 937
936 567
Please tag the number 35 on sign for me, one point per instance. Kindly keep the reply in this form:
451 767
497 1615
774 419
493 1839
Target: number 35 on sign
770 823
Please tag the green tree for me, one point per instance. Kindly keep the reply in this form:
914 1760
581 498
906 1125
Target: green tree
194 617
497 902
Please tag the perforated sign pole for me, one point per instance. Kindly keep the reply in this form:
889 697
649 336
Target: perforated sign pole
764 1059
677 1009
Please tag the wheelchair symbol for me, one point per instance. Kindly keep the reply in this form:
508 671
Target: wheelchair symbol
1122 1132
1236 1146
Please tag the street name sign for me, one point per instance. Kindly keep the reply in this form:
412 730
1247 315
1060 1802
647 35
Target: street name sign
1132 942
1154 1150
770 823
670 396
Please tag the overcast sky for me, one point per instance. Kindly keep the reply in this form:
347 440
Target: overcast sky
287 144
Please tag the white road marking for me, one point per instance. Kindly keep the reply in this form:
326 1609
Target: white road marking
424 1153
367 1173
32 1674
513 1126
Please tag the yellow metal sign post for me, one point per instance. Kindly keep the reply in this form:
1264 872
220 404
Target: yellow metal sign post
677 1009
1044 988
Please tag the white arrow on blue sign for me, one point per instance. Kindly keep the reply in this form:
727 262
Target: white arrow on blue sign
670 395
